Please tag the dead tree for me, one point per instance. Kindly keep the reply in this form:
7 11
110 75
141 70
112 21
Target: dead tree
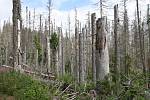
101 53
148 22
48 37
34 20
26 38
116 19
61 69
17 25
76 67
125 40
93 25
82 62
88 41
140 39
40 40
84 68
80 57
71 45
116 65
135 42
101 8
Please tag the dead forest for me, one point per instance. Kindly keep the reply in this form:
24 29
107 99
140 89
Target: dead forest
100 60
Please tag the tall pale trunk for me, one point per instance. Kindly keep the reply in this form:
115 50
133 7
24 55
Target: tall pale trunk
76 66
93 25
60 68
102 56
48 53
16 32
82 64
148 22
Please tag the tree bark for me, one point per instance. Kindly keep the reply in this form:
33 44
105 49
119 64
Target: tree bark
93 23
148 22
102 56
116 54
61 69
116 67
82 64
125 40
17 25
48 37
140 38
76 67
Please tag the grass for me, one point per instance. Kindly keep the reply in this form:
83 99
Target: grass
22 87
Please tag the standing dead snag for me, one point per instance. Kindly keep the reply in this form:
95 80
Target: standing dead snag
14 31
82 62
148 22
76 66
102 56
17 24
140 39
116 37
116 54
93 25
61 69
48 37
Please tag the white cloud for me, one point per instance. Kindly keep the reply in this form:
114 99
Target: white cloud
5 10
62 16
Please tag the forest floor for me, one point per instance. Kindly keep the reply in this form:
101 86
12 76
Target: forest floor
6 97
4 69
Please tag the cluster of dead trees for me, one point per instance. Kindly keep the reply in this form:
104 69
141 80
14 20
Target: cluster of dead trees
97 47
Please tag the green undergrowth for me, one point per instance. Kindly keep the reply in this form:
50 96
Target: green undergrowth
22 87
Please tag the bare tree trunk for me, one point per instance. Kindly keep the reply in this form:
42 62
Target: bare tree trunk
26 38
102 56
140 38
37 61
82 64
136 44
80 58
15 27
84 68
70 46
116 38
40 40
61 69
101 8
48 38
116 61
34 19
125 40
88 42
6 55
93 25
148 22
17 24
76 67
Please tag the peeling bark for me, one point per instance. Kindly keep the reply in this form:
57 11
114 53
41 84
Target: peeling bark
102 56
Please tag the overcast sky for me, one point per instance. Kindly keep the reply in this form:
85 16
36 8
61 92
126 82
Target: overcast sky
63 8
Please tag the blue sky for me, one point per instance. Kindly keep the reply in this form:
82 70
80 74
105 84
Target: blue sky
71 4
33 3
64 5
62 8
